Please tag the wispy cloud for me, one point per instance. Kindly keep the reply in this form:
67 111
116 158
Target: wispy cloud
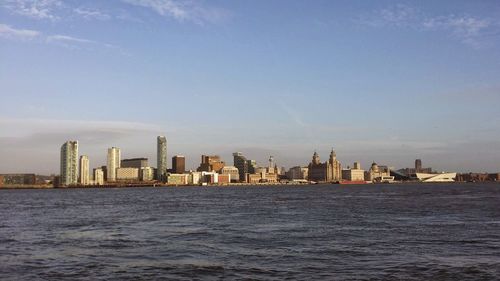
468 29
6 31
91 14
68 39
17 126
71 42
398 15
183 11
39 9
76 43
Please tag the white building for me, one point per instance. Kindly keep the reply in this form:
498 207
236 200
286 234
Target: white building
209 177
69 163
84 170
194 178
161 157
114 157
354 174
378 174
443 177
98 176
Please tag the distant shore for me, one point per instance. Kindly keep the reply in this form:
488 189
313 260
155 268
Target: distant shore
10 187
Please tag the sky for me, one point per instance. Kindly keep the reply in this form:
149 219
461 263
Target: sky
383 81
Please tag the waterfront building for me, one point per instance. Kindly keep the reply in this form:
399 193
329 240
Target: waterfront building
134 163
105 172
211 163
209 177
113 163
378 173
84 170
240 162
261 177
69 163
478 177
297 173
272 168
232 171
260 170
147 174
252 166
443 177
127 174
98 176
177 179
353 174
224 178
329 171
17 179
179 164
161 157
194 178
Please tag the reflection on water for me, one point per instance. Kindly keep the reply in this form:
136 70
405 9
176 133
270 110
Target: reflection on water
410 232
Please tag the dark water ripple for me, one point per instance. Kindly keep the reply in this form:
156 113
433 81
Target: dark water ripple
377 232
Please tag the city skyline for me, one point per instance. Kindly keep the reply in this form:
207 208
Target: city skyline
385 81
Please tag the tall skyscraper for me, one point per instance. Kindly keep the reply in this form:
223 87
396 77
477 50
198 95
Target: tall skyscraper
113 163
240 162
418 165
179 164
161 157
69 163
84 170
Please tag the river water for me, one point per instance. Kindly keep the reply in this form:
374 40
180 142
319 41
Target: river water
324 232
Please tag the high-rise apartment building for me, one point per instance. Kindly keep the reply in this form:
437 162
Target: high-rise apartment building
161 157
178 164
84 170
69 163
113 163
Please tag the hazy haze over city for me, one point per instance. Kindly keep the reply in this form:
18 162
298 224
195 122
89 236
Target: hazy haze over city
383 81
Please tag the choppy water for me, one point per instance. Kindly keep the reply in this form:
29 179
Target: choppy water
410 232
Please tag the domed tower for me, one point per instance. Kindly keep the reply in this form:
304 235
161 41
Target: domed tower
334 168
374 167
315 159
333 156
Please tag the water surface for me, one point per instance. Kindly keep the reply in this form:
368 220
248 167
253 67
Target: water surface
371 232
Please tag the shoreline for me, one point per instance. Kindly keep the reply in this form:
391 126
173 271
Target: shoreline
233 185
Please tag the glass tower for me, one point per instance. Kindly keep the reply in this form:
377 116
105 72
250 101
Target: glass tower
69 163
161 157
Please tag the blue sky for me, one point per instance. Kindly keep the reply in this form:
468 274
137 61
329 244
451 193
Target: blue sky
384 81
